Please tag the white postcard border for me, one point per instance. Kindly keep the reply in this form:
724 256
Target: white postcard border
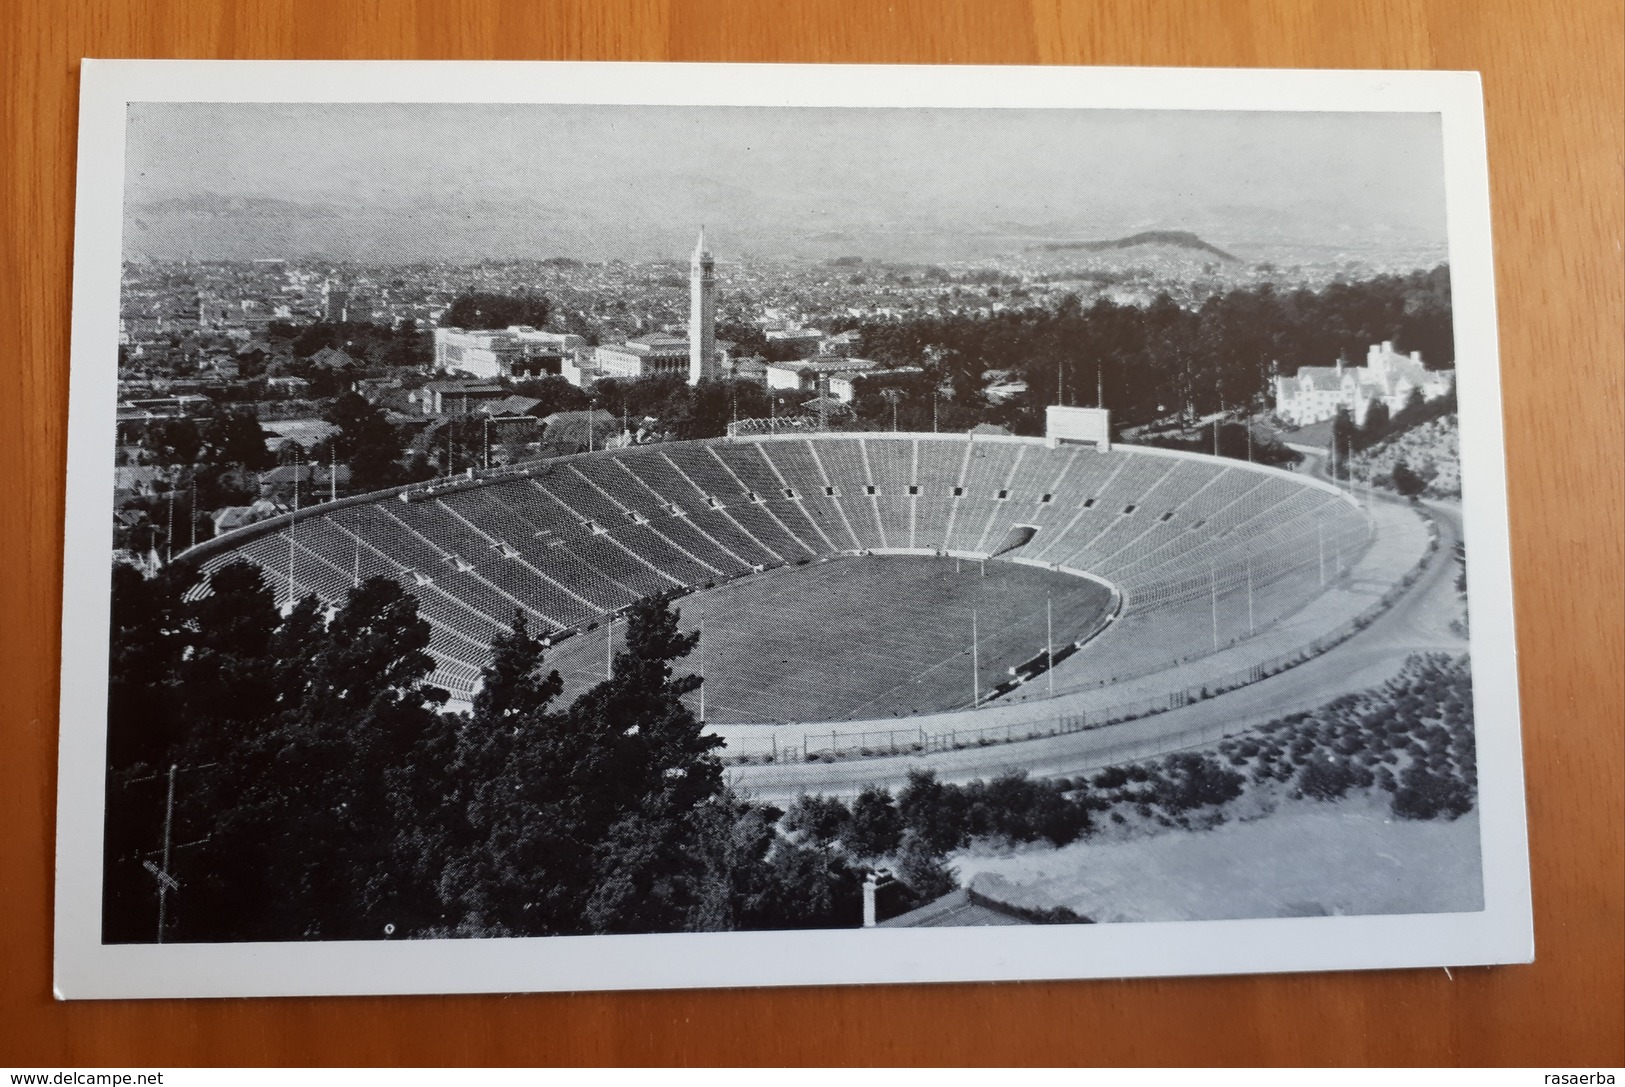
85 968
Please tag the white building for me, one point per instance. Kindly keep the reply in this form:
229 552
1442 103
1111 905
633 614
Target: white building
645 356
845 387
802 374
516 351
1315 393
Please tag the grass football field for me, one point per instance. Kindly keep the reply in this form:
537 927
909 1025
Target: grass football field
859 637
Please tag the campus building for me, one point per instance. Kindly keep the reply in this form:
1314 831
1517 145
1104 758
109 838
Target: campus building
516 351
1315 393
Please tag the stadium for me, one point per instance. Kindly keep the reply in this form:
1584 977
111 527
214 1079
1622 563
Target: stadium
873 594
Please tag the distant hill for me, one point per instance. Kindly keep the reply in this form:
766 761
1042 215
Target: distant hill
1176 239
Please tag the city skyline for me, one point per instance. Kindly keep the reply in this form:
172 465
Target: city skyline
399 183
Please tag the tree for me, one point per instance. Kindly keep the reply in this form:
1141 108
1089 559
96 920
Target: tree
482 310
877 828
236 438
366 441
590 818
1377 425
174 441
820 820
1406 482
923 868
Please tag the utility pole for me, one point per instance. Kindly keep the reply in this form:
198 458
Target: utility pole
702 667
193 514
1100 386
166 882
169 529
609 649
934 395
486 428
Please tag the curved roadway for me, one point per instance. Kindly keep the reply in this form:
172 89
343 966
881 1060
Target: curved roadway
1418 622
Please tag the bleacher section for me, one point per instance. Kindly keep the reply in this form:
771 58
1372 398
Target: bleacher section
581 537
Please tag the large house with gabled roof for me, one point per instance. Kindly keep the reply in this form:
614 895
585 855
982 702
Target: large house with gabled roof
1315 393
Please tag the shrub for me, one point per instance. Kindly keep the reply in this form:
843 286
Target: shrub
1113 777
1424 794
1326 779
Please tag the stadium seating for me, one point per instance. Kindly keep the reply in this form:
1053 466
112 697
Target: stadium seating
578 538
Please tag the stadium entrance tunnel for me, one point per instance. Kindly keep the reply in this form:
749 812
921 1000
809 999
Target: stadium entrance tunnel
1019 536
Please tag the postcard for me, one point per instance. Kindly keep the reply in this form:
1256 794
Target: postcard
542 526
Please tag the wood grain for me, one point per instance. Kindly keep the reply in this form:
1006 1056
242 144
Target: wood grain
1553 78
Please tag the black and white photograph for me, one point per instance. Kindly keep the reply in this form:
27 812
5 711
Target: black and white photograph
607 526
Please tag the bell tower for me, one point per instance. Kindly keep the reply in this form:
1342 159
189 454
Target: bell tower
702 314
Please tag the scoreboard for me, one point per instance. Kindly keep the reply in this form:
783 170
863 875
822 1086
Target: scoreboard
1063 424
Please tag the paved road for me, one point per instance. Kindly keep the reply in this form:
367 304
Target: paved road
1418 622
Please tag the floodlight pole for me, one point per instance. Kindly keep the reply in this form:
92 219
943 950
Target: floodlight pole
333 473
1250 627
169 528
1049 642
702 667
1320 542
609 649
975 665
192 515
1213 575
293 522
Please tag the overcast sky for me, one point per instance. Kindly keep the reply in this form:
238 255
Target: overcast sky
407 182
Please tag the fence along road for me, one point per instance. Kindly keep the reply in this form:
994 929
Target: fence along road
1418 622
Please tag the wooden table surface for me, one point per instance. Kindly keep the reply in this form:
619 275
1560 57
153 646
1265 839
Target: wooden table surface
1553 78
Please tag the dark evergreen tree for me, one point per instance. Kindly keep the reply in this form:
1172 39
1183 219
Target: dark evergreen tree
235 437
877 827
366 441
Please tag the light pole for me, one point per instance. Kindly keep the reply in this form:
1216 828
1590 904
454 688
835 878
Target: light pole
1213 576
1250 627
1049 642
975 665
1320 544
